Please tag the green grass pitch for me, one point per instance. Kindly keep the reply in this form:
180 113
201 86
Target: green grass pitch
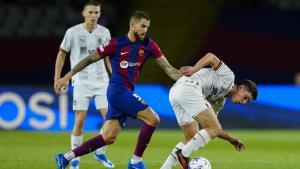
265 149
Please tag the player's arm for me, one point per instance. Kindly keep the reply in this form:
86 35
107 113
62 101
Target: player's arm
59 63
107 63
234 141
208 59
169 69
93 57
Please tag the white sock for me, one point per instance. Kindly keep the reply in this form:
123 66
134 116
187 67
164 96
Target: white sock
199 140
76 141
172 160
102 149
135 159
69 155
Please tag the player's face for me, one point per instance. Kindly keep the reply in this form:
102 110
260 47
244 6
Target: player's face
140 28
91 14
242 96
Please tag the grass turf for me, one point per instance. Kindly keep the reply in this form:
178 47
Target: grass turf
265 149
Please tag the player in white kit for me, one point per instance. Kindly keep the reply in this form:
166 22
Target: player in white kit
196 98
90 83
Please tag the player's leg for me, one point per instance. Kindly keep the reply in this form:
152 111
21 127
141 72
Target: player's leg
111 129
80 105
130 104
189 131
150 120
211 128
101 105
77 135
187 102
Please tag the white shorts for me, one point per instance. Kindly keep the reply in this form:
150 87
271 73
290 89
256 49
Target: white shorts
82 96
187 101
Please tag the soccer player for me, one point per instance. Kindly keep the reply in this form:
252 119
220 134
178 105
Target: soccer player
91 83
196 98
127 55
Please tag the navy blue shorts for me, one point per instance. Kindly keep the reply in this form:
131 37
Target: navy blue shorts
124 104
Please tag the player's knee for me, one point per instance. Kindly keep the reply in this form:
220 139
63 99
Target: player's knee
109 138
214 131
155 121
218 130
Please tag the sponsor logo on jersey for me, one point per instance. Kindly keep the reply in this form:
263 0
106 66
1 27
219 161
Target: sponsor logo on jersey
125 64
123 53
141 52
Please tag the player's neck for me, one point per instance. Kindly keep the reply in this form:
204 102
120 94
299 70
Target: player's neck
131 37
89 26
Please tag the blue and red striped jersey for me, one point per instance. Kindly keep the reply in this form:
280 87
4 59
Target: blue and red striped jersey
127 59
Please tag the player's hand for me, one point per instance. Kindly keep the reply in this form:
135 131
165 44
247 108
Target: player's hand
239 146
61 84
186 70
55 84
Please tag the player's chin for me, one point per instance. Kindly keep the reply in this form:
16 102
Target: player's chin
141 37
93 21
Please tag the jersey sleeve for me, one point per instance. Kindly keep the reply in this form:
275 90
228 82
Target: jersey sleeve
66 44
108 37
156 52
225 73
107 48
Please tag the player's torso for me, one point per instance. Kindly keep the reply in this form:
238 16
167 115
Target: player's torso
214 85
82 44
127 62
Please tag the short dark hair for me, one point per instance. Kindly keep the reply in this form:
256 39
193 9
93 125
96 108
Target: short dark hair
250 86
138 15
91 2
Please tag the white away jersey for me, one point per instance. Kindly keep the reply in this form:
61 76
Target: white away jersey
80 43
215 84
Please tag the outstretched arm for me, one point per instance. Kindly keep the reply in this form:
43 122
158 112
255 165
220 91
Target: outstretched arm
93 57
208 59
239 146
169 69
59 63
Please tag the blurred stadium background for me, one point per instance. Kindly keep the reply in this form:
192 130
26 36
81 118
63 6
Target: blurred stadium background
258 39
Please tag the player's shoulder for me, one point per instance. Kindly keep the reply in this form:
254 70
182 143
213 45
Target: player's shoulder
102 28
74 28
150 41
120 40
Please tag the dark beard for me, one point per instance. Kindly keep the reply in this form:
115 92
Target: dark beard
137 37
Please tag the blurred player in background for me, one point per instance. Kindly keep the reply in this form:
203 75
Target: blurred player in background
127 55
196 98
91 83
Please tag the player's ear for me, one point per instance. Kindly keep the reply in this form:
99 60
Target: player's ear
131 23
241 87
83 12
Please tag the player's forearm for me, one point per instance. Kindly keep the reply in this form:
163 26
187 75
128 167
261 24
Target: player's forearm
225 136
93 57
108 64
172 73
169 69
59 63
208 59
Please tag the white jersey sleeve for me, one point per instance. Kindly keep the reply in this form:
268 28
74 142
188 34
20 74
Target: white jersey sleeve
66 44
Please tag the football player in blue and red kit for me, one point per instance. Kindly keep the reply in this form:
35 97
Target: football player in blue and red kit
127 55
